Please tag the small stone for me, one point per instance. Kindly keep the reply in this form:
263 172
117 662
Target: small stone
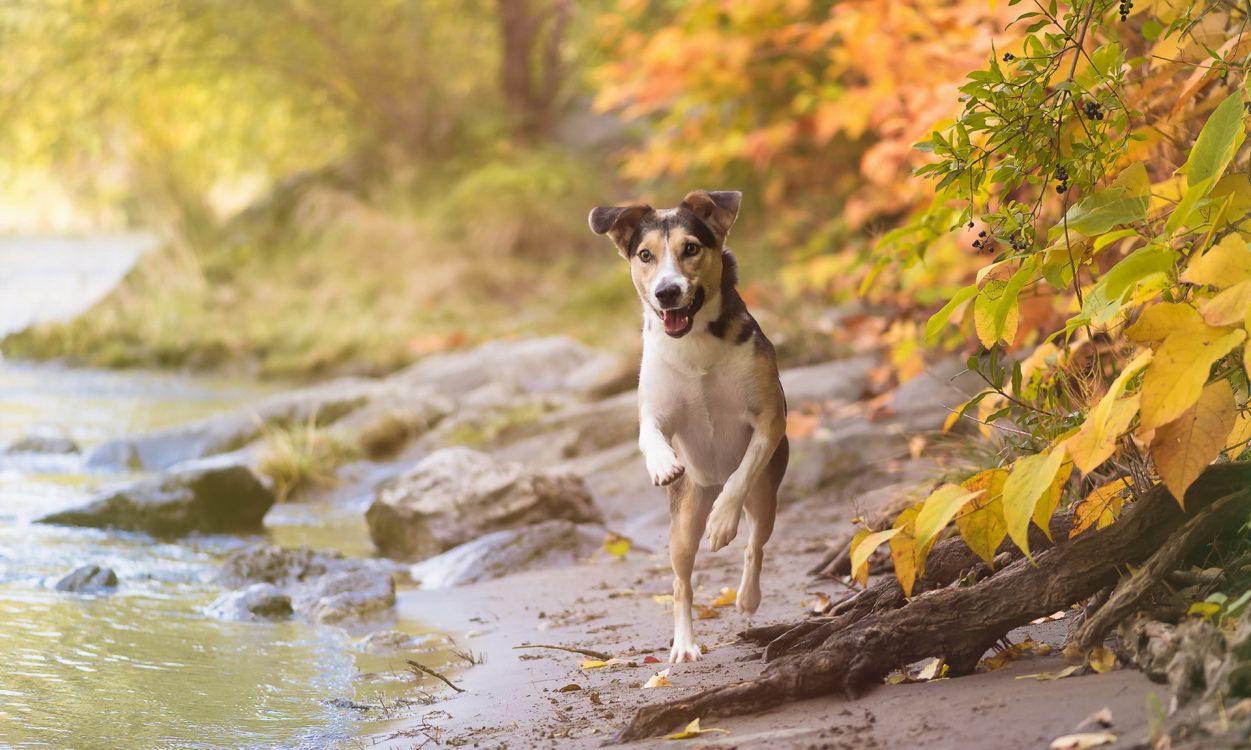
88 579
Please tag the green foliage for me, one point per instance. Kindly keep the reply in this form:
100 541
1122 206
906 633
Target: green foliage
1092 162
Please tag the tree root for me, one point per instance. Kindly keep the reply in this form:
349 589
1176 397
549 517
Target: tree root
956 623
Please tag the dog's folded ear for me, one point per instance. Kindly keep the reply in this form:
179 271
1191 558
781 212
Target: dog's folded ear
717 209
619 223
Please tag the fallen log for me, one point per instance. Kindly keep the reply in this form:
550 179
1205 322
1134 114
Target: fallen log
955 623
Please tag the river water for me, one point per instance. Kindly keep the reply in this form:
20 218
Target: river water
143 667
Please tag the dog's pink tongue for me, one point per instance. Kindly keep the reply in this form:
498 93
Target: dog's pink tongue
675 321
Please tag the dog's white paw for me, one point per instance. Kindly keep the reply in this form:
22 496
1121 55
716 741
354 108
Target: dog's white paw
684 649
723 524
663 467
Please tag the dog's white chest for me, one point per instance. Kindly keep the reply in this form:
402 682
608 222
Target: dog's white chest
704 411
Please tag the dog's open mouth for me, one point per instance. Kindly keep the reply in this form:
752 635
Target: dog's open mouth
677 322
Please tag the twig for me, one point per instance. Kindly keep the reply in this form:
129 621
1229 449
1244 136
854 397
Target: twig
570 649
432 673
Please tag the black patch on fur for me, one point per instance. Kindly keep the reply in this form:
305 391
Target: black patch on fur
747 331
732 305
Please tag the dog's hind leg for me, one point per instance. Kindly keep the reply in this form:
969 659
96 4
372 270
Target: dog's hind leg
761 507
688 513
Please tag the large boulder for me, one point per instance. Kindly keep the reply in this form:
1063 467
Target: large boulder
223 433
88 579
555 363
541 545
208 497
457 494
839 380
322 586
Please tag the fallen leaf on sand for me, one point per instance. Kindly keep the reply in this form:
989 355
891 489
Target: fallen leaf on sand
660 679
1014 652
821 603
800 425
666 599
601 663
570 688
1049 618
1101 659
650 660
1046 676
704 612
693 730
1082 741
594 698
727 598
1101 719
933 668
616 545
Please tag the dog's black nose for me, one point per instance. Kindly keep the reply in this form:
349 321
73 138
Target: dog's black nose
668 294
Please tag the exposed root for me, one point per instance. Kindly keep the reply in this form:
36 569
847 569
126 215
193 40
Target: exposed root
956 623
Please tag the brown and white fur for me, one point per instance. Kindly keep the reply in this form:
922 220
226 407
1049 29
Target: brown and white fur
712 415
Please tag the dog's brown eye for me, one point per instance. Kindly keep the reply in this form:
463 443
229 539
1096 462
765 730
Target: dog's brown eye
645 256
691 249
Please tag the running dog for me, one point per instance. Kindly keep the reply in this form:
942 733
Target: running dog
712 415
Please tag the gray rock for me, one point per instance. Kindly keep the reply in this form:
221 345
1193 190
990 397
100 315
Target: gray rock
260 601
207 497
161 449
41 443
840 380
923 403
531 365
541 545
322 586
346 595
578 430
456 494
88 579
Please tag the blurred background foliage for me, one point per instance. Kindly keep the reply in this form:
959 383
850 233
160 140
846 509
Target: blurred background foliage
343 187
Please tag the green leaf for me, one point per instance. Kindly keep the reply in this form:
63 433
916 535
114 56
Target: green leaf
938 320
1189 202
1217 142
1124 201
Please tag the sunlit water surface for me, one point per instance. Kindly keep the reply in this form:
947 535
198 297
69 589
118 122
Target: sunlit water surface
143 667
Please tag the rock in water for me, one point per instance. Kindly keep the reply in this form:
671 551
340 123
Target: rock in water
196 497
541 545
323 586
40 443
456 495
260 601
88 579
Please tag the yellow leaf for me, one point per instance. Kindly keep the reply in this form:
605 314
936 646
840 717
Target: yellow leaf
593 664
1048 676
693 730
982 525
933 669
703 612
1050 499
1229 307
1082 741
665 599
1236 443
1101 507
862 546
660 679
1101 659
1226 264
1204 609
1183 448
727 598
903 550
988 328
938 510
1006 656
1031 477
1095 442
1161 319
616 545
1176 376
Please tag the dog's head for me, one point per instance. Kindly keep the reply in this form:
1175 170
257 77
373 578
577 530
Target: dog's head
675 254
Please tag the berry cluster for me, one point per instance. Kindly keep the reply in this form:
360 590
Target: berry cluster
1093 109
1125 7
1008 57
1018 242
1062 177
982 243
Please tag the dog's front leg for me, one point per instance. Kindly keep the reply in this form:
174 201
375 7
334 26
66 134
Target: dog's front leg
767 431
662 462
